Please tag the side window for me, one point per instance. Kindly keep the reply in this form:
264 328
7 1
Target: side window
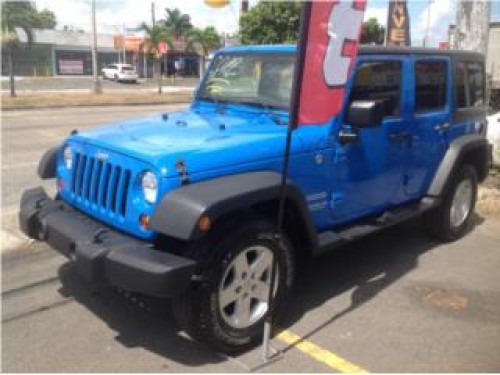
469 85
430 85
379 80
461 86
475 74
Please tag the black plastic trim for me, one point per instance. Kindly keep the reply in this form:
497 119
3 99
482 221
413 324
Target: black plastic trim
457 150
100 253
47 165
332 239
179 211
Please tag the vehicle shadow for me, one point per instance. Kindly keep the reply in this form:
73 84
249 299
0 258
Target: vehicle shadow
138 321
366 267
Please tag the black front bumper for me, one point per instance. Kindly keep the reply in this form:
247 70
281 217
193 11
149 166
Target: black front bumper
100 253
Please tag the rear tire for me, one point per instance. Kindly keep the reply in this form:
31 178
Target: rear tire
452 218
224 308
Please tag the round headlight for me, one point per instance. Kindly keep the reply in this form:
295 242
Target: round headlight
150 186
68 157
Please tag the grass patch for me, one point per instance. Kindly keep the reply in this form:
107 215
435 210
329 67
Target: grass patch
86 99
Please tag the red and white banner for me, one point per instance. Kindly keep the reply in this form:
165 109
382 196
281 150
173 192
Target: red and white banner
328 46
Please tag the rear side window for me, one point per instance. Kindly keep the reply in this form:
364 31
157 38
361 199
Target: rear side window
379 80
430 85
128 68
469 84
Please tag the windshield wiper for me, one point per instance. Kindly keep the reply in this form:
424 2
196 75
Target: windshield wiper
268 107
213 99
217 101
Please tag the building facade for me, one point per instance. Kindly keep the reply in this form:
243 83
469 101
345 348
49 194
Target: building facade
68 53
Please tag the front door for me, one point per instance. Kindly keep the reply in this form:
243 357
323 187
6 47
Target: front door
368 173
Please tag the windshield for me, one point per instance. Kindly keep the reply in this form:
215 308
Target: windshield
263 80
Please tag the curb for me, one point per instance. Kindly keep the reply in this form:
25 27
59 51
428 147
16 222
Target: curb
56 106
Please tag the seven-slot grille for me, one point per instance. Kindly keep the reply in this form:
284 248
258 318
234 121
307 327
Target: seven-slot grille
101 183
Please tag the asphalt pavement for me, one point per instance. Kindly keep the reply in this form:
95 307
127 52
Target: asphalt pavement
393 302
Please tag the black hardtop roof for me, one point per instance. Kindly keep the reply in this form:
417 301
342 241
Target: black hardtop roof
456 54
363 50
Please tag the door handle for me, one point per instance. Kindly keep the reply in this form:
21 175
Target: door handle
442 127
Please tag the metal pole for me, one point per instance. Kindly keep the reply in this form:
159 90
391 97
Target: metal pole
123 45
427 27
97 82
153 13
292 125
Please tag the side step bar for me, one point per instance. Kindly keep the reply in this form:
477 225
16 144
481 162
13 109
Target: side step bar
330 240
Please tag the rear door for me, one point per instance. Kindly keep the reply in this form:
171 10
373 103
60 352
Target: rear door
431 125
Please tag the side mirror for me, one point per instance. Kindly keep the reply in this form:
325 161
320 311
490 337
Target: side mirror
365 113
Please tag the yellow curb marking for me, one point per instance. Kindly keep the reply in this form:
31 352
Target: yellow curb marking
319 354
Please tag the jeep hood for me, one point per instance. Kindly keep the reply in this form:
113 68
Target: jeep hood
203 140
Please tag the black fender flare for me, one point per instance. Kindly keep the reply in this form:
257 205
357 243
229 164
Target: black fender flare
178 213
48 163
457 151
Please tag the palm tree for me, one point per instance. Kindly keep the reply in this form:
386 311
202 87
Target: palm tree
16 15
177 22
204 41
155 35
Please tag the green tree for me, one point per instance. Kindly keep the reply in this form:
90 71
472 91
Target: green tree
21 15
372 32
176 22
155 35
271 22
47 19
202 41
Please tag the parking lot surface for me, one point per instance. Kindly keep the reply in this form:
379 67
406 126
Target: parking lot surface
394 302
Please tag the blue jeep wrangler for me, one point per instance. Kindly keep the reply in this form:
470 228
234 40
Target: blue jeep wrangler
183 205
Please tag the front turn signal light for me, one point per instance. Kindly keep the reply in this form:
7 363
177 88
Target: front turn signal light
204 223
145 221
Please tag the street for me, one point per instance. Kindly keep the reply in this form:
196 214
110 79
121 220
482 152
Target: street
397 301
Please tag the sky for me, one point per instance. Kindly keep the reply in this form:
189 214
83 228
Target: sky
113 14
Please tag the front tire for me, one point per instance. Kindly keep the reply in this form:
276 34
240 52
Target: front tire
226 308
452 218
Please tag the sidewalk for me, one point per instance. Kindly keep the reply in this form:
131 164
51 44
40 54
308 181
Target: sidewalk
165 90
79 83
79 98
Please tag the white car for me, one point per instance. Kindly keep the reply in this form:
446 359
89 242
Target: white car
493 136
120 72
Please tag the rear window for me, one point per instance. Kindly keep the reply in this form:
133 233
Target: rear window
379 80
430 85
469 84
